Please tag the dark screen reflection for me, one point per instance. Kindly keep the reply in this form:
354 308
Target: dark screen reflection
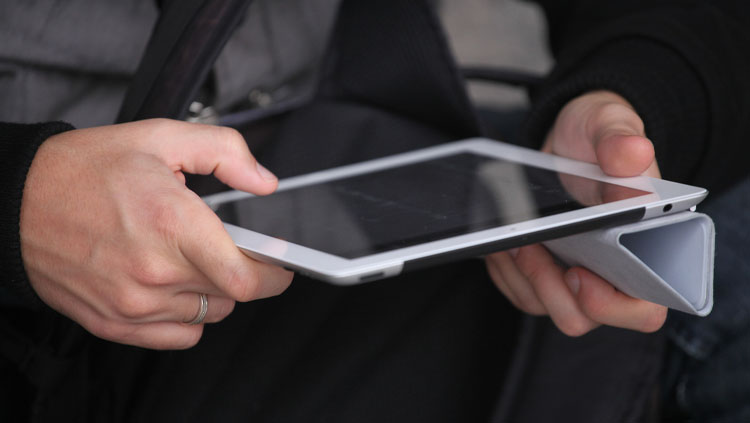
416 203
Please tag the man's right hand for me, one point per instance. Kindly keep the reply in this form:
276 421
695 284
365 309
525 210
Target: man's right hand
112 238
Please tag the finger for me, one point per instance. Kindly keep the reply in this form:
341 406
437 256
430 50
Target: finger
157 336
497 279
546 278
612 192
189 307
208 247
180 176
590 192
609 114
206 149
214 278
181 308
619 137
517 284
270 280
588 119
602 303
146 325
207 261
625 155
584 190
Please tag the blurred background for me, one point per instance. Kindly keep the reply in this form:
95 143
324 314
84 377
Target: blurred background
498 33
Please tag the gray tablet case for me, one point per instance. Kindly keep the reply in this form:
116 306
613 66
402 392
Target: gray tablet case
667 260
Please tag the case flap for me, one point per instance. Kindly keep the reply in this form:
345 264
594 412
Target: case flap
667 260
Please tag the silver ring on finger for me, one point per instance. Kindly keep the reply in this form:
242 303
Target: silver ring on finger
202 310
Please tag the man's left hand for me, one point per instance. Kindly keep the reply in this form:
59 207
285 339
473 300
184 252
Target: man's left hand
603 128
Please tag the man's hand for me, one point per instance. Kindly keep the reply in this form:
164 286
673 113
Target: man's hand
112 238
599 127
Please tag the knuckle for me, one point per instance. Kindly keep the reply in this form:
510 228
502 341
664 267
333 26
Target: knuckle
155 129
113 332
535 310
530 305
655 319
158 121
574 327
225 308
156 125
165 218
133 306
597 301
149 270
190 339
595 307
230 138
615 114
228 133
283 282
537 276
609 111
103 328
243 283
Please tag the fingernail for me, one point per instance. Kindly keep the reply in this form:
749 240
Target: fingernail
573 282
265 173
513 252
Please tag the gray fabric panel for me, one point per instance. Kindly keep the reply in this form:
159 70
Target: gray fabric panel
276 49
82 35
71 59
32 94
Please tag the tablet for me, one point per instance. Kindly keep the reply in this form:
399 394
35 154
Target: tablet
379 218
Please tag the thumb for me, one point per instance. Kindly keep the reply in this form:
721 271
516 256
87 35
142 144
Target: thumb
619 139
624 155
602 303
207 149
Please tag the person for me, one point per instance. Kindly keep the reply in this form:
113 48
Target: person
99 227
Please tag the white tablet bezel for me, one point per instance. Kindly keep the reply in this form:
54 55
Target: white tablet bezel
667 197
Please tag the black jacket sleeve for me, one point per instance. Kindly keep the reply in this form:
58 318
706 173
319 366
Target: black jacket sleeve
684 66
18 145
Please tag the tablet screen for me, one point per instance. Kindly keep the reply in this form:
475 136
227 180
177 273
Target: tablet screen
420 202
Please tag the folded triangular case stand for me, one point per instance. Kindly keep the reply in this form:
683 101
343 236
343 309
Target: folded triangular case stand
667 260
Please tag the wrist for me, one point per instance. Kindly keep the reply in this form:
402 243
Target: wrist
19 144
